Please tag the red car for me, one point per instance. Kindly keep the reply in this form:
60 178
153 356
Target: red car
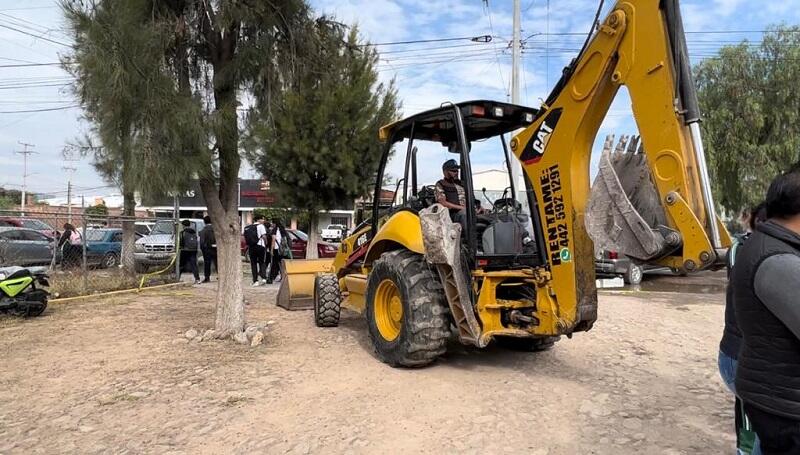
29 223
299 245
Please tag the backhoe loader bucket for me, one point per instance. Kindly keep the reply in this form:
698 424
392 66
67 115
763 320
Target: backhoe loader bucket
297 282
624 212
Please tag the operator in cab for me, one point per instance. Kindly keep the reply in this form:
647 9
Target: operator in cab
449 192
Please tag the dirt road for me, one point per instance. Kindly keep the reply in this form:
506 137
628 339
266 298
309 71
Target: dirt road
117 376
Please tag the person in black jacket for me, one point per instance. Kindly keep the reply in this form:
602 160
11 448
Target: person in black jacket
188 252
766 286
208 245
746 440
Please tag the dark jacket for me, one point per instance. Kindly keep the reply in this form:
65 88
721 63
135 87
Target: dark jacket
450 190
768 373
207 239
731 335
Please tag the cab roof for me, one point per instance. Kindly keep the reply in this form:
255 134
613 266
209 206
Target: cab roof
482 119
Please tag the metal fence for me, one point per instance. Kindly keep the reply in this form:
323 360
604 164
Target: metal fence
85 252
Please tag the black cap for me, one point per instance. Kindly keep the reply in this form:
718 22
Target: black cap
450 164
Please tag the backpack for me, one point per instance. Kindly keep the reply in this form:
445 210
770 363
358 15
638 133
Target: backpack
75 238
251 235
189 241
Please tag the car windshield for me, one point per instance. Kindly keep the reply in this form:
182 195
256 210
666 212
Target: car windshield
95 235
37 225
162 227
301 235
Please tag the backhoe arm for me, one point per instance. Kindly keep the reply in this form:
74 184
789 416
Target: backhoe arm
640 45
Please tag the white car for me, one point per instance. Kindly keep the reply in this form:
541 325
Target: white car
334 233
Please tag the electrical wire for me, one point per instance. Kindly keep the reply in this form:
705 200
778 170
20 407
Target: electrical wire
72 106
43 38
497 58
435 40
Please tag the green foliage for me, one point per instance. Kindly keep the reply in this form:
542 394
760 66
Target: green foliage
751 109
10 198
317 139
99 211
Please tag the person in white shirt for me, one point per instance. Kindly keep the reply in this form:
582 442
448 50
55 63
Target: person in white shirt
256 237
278 233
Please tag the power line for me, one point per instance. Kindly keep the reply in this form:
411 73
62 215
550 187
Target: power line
497 59
476 39
36 36
25 65
42 110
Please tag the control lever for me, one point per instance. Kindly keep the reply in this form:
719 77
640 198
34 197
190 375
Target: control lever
487 199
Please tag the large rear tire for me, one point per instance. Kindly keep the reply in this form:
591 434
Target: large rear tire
407 315
327 300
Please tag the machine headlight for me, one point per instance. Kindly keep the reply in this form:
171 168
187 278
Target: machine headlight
138 247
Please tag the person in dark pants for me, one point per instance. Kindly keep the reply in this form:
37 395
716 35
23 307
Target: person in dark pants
746 440
71 248
278 244
256 237
766 286
208 244
188 253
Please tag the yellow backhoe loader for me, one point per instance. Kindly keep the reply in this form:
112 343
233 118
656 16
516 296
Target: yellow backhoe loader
522 273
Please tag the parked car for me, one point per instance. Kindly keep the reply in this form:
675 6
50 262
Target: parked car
334 233
29 223
299 245
143 228
157 249
25 247
613 264
104 246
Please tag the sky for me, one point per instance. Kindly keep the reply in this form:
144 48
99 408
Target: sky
37 106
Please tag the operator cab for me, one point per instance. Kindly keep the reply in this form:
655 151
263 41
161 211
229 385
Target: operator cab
497 230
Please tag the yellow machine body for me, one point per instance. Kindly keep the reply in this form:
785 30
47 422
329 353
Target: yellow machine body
631 48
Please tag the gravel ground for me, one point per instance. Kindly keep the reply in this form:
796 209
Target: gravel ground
116 375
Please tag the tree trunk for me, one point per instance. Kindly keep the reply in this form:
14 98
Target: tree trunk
128 232
230 296
312 251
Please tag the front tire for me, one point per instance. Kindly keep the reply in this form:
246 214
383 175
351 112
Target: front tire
633 275
110 260
407 316
327 300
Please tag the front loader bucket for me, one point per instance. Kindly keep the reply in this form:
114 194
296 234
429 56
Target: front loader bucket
624 212
297 282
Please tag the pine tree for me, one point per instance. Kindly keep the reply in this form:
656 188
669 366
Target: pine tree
316 140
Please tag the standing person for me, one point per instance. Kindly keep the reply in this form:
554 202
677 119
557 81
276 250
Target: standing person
766 286
70 244
255 237
208 245
746 440
188 253
278 249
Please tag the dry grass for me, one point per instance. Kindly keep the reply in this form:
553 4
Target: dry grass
64 284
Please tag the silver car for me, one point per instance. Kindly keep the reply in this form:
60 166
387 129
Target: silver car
24 247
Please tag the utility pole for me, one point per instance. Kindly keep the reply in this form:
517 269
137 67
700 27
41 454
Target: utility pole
69 170
24 152
516 61
69 157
